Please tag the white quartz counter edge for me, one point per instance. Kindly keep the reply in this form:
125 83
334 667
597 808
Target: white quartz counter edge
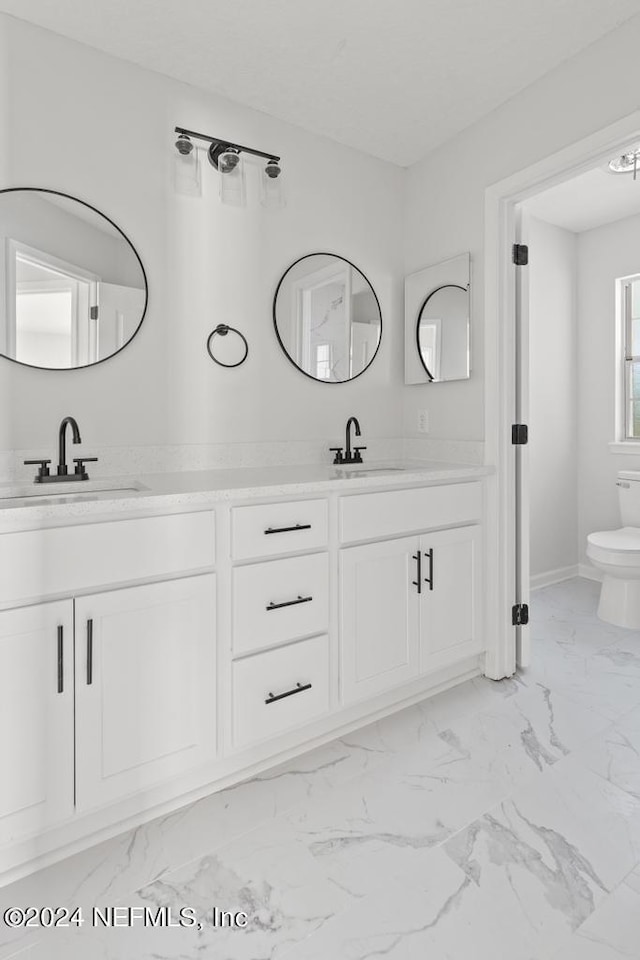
202 488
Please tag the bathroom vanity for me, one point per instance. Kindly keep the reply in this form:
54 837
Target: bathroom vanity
185 631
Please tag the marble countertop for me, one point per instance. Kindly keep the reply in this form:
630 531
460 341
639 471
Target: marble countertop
201 488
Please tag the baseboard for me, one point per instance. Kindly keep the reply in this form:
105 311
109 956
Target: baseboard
589 573
555 576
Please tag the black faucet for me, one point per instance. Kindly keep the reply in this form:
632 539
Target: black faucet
62 443
349 456
62 471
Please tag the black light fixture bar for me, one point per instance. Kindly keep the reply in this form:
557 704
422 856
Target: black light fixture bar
226 143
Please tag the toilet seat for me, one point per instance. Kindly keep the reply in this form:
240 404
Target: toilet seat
615 546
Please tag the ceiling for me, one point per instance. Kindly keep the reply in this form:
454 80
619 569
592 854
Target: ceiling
394 78
588 200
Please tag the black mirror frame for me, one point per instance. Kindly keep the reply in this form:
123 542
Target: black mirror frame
443 286
84 366
324 253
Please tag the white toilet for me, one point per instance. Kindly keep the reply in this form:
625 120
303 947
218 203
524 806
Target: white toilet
617 554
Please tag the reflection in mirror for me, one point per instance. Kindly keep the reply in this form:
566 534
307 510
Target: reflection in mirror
437 322
73 289
327 318
443 333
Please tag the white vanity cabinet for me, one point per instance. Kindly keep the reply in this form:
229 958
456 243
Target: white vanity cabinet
36 713
108 692
379 617
145 667
450 599
149 659
408 606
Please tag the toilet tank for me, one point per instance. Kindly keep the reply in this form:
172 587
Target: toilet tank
628 483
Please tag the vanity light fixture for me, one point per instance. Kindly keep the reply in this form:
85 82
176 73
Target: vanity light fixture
186 168
628 162
227 158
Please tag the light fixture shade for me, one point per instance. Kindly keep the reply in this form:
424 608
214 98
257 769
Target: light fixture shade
628 162
272 194
231 176
187 174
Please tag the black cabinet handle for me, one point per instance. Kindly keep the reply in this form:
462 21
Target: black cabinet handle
298 526
288 603
429 579
299 688
89 652
60 659
418 583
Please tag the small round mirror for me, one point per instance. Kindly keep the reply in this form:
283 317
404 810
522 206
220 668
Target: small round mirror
442 333
327 318
73 291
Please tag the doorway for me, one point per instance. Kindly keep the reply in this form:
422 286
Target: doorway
506 377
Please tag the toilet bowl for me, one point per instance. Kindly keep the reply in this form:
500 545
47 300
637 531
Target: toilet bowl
617 554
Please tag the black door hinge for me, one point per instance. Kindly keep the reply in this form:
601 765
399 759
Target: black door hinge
520 615
519 433
520 254
93 313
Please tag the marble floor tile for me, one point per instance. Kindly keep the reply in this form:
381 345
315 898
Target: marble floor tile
615 755
386 822
612 932
552 852
267 875
447 920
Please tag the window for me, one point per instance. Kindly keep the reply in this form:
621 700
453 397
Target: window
630 338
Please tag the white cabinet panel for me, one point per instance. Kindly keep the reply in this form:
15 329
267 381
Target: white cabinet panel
36 718
280 600
379 617
390 513
280 690
145 686
60 560
450 614
268 529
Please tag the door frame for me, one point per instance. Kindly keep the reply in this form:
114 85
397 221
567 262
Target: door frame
501 200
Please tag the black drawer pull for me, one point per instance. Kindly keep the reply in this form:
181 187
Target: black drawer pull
89 652
60 659
299 688
429 579
298 526
288 603
418 583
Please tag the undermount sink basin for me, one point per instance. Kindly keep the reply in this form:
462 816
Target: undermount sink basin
74 490
369 471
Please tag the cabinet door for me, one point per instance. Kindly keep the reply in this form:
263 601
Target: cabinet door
379 617
145 686
36 718
450 611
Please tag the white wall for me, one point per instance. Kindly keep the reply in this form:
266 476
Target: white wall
445 192
604 254
553 396
101 129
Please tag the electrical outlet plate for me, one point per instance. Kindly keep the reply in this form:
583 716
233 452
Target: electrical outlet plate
423 421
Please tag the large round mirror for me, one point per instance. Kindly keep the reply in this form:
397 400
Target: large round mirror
73 290
443 333
327 318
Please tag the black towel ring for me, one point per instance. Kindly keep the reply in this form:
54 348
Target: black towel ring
223 329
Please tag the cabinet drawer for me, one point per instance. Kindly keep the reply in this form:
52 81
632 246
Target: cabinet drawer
369 516
272 528
279 600
62 560
280 690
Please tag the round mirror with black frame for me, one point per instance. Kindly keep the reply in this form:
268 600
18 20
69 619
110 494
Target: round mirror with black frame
327 318
73 290
442 333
